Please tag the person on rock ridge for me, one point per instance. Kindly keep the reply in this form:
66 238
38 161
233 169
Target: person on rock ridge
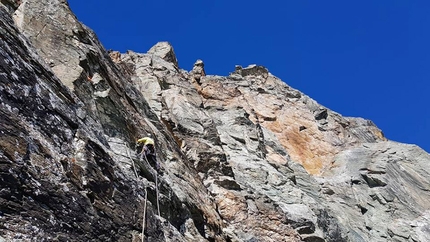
148 150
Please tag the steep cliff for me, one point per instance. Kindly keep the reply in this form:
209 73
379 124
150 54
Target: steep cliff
244 157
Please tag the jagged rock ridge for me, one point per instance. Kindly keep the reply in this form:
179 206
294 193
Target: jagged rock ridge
245 157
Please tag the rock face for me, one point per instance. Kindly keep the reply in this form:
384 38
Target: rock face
66 159
198 72
245 157
386 185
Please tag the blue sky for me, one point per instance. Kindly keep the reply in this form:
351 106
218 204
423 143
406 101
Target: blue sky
367 59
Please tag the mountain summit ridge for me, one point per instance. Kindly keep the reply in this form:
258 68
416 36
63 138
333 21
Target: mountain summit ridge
245 156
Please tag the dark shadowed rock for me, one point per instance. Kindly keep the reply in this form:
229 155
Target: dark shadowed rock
10 5
66 159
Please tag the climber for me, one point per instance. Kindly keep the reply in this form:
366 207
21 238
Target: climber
148 150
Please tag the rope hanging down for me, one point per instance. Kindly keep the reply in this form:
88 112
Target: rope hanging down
144 215
132 161
156 184
146 190
156 181
156 191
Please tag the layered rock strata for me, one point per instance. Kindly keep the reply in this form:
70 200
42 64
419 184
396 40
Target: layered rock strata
245 157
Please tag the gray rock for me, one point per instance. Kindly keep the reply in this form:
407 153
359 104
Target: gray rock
10 5
68 175
262 164
244 157
198 71
385 183
252 70
165 51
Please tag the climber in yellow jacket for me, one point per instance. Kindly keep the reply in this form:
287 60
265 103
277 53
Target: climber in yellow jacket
148 150
146 141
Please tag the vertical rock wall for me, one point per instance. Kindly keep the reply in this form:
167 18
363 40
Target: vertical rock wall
68 143
245 157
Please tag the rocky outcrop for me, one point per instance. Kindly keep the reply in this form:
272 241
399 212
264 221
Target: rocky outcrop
245 157
66 158
165 51
198 72
310 133
10 5
381 190
244 124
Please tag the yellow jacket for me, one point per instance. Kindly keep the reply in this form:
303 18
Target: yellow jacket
146 141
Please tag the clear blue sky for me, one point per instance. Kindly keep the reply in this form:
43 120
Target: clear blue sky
367 59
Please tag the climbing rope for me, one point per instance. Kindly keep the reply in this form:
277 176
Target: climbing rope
156 191
132 161
146 190
146 159
156 183
144 215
